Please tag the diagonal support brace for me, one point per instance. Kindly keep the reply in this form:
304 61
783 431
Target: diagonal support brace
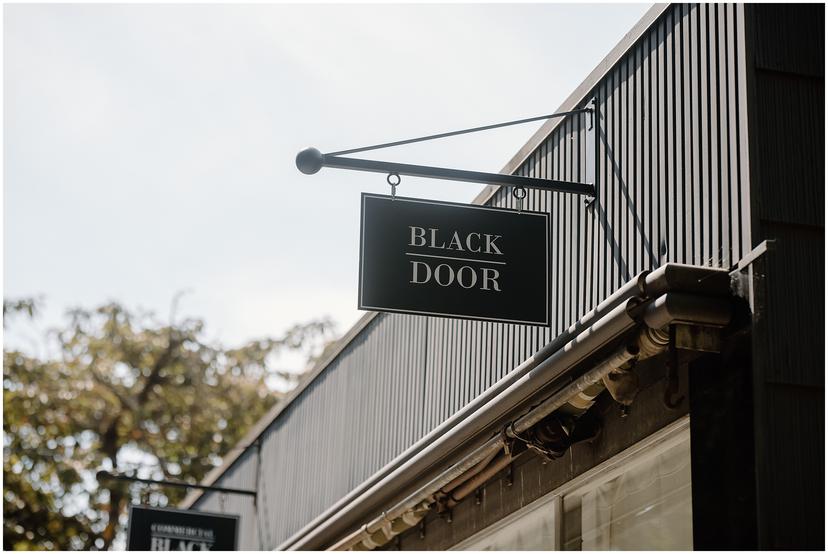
311 160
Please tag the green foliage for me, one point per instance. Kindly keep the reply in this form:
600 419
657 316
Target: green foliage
25 305
121 386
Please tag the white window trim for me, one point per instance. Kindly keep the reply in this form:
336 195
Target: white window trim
654 445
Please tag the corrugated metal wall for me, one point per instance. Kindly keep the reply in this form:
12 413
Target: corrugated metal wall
670 188
788 191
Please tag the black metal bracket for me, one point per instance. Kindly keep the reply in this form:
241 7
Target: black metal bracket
105 475
311 160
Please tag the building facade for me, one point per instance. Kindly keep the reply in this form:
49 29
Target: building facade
677 399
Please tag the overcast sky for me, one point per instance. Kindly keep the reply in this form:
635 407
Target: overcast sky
150 149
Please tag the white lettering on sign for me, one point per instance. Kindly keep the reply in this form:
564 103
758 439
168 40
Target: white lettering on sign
490 276
416 236
471 279
159 544
188 546
468 242
436 240
443 274
490 245
166 537
426 272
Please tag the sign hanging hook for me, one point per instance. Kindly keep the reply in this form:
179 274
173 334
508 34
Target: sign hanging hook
520 194
393 180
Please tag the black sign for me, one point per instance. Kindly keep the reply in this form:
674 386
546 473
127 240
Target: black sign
168 529
454 260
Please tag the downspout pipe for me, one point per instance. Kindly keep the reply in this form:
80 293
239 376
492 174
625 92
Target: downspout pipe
634 288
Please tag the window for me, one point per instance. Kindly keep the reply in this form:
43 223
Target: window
637 500
530 528
645 506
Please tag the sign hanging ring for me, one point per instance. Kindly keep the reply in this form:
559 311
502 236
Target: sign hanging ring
393 180
520 194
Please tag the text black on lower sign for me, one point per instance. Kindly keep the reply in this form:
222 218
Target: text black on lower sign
454 260
167 529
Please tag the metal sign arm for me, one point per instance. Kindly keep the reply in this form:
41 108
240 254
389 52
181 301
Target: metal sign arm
105 475
454 174
311 160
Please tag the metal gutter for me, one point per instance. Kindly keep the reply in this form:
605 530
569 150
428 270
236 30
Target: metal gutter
493 445
632 289
614 324
707 311
462 431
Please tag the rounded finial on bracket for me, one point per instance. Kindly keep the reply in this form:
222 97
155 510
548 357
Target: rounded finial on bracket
309 160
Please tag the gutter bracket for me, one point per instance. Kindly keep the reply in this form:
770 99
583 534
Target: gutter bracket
671 390
755 254
698 338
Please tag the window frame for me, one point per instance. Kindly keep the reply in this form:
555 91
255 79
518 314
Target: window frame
650 447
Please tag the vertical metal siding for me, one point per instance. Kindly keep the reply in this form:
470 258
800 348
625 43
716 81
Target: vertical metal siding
669 184
786 99
669 168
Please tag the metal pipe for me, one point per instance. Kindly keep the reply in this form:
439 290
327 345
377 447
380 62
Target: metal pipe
618 358
430 172
480 479
104 475
661 313
674 277
559 399
469 474
603 331
634 288
677 307
495 444
639 287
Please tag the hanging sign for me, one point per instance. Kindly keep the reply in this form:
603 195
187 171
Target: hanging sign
169 529
454 260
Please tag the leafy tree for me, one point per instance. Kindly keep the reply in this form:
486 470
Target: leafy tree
121 387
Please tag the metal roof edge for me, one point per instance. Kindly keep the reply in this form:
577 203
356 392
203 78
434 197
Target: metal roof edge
578 95
482 197
267 420
700 290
